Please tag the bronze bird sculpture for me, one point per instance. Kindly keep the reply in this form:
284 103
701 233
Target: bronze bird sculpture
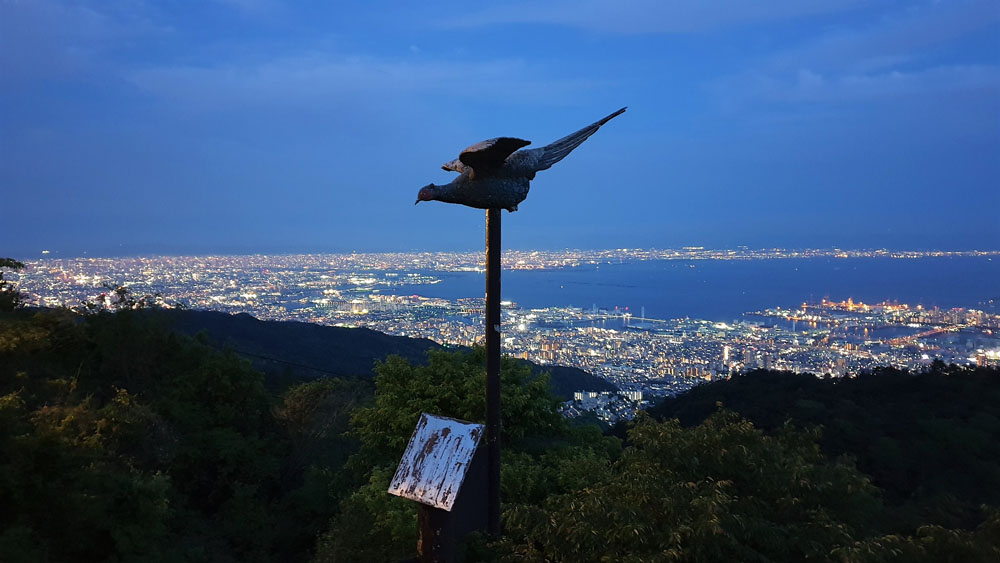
495 174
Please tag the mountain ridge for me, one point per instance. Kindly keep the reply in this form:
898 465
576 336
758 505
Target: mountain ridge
301 350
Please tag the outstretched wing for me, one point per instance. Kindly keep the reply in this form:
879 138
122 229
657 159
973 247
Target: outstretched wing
544 157
490 154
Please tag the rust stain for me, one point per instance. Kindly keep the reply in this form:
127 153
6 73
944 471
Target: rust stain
436 460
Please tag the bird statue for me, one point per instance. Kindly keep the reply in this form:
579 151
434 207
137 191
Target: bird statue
494 174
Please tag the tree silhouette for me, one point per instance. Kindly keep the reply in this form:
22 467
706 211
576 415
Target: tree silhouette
10 297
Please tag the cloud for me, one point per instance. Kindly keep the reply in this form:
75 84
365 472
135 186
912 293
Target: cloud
648 16
251 7
45 39
806 86
328 78
899 56
899 38
39 39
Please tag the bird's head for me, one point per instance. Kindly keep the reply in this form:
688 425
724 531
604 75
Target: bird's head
426 193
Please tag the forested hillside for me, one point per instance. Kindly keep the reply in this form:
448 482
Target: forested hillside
288 351
123 440
930 441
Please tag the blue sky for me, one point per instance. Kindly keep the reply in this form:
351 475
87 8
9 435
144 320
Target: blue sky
265 126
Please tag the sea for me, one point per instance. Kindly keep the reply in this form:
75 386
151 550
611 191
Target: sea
725 290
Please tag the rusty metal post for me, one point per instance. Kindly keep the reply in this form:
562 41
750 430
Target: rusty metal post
493 367
436 543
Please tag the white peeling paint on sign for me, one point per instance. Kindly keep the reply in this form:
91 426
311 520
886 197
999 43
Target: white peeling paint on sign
436 460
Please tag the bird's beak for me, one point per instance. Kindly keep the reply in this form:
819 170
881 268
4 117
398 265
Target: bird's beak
416 202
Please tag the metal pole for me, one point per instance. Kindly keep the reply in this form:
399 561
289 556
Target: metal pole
436 543
493 367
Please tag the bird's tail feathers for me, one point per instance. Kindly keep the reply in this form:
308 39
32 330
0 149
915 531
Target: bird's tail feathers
557 150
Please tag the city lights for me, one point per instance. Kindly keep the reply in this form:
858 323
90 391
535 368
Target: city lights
648 356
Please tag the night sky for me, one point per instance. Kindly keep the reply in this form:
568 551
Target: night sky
247 126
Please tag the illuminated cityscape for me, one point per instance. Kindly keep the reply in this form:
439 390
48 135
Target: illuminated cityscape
645 357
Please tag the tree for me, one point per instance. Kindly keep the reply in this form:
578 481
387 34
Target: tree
315 416
118 298
931 544
927 439
10 297
542 454
721 491
120 441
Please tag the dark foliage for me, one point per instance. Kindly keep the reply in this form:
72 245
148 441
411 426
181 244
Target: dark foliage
10 297
542 453
308 350
294 351
930 440
122 440
565 380
720 491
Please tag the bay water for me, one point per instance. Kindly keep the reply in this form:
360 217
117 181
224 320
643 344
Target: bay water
723 290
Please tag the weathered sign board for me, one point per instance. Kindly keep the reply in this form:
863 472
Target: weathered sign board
436 461
444 470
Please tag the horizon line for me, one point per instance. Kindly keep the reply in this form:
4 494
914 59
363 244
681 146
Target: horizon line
692 249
